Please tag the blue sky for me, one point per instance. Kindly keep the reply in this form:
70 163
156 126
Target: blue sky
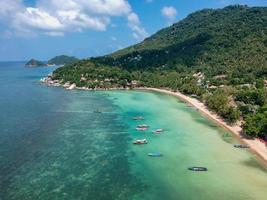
42 29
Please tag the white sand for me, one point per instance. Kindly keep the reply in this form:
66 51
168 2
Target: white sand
255 145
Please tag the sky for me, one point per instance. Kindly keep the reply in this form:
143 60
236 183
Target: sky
42 29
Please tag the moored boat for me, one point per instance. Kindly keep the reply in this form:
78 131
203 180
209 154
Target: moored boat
143 141
156 154
142 126
138 118
157 131
198 169
242 146
141 129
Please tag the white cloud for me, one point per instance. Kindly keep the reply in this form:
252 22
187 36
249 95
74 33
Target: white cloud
107 7
55 34
139 33
7 7
55 17
34 17
77 21
133 18
169 12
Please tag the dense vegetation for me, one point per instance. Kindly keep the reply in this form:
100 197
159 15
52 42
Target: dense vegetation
218 56
88 74
232 40
62 60
256 124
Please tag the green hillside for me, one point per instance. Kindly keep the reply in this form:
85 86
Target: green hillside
215 40
217 55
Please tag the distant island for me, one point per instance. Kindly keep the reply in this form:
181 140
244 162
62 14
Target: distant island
35 63
62 60
58 60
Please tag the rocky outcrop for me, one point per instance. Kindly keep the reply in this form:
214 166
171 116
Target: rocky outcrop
73 86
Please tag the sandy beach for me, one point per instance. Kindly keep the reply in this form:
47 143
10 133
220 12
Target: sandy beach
255 145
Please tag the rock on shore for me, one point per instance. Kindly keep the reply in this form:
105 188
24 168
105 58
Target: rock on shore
73 86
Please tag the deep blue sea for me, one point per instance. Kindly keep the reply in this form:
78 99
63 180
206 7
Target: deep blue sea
53 145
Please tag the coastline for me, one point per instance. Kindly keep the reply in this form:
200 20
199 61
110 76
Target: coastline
256 146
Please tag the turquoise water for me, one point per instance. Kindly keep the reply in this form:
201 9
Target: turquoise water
53 146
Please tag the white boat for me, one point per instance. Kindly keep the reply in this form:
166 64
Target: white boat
157 131
138 118
198 169
142 126
143 141
141 129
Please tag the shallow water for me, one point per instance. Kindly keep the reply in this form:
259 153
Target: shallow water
54 146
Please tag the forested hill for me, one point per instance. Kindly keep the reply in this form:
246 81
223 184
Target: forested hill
217 55
214 39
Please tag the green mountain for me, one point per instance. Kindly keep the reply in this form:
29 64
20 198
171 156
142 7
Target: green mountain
34 63
217 40
62 60
217 55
